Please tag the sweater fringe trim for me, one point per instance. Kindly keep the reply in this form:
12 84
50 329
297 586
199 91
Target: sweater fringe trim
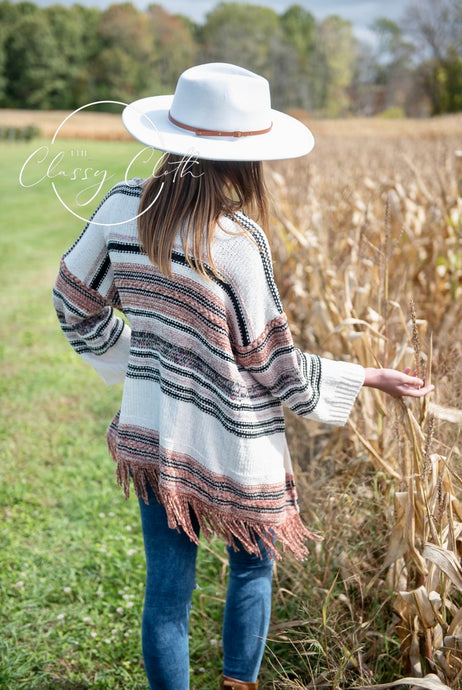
291 534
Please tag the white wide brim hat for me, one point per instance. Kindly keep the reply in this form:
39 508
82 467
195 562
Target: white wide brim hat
218 112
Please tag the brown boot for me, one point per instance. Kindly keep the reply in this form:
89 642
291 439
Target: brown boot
233 684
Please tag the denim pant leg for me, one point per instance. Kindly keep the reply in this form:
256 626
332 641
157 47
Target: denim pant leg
247 613
170 581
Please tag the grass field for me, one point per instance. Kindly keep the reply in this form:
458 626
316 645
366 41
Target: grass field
71 573
371 220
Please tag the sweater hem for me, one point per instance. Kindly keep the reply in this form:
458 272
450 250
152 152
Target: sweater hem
288 535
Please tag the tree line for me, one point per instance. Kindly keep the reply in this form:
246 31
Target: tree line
61 57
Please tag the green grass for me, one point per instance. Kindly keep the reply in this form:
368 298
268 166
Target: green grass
72 563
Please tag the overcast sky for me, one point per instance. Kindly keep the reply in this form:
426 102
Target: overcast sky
361 13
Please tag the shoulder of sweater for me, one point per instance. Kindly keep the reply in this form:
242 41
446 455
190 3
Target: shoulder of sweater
123 192
119 207
119 204
242 231
121 195
241 251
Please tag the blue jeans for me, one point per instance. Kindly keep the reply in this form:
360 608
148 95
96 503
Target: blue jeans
170 582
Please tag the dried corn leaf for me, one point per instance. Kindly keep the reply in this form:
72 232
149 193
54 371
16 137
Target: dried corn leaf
403 609
453 642
443 664
428 682
398 575
446 560
413 524
456 624
435 600
419 601
436 603
447 414
437 637
413 657
383 464
350 321
402 351
398 544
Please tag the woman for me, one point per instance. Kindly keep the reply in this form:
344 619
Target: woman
208 360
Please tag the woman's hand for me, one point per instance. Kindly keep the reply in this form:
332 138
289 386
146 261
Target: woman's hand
396 383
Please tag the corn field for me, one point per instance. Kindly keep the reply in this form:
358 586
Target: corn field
367 247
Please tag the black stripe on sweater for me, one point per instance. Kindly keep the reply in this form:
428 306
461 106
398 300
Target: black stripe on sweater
238 428
180 259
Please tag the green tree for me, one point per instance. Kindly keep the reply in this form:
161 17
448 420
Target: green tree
443 80
240 33
366 95
436 28
115 74
123 67
287 81
175 43
253 37
75 32
33 64
394 65
10 12
452 66
3 75
299 29
334 58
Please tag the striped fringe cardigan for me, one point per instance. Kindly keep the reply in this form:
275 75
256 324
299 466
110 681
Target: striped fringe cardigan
207 365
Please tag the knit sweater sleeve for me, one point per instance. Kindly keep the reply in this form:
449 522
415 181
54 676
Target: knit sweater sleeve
311 386
85 299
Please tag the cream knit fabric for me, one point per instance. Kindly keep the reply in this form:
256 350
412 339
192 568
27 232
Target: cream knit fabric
207 365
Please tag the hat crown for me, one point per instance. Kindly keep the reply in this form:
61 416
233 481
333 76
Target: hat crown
220 96
218 112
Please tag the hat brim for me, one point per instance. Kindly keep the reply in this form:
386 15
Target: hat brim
147 121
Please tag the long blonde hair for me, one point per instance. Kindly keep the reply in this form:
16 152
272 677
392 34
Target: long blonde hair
193 195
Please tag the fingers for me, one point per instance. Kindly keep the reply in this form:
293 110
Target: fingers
397 383
414 386
413 375
414 381
419 392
